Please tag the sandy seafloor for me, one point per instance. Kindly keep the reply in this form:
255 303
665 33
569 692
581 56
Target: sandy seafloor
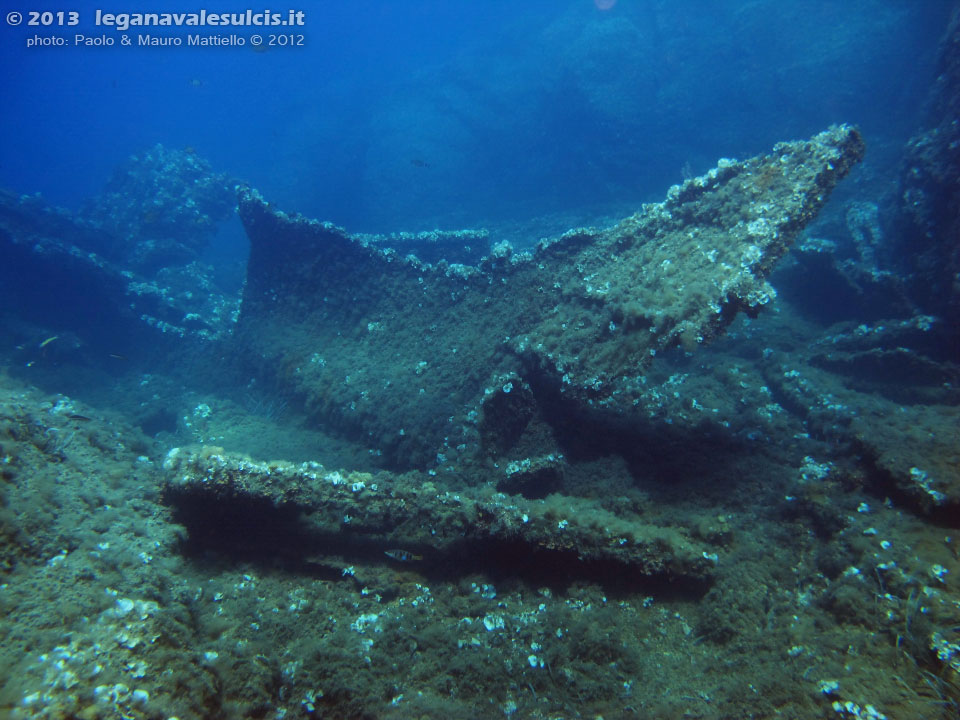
830 599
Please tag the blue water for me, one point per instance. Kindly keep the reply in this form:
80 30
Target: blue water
417 114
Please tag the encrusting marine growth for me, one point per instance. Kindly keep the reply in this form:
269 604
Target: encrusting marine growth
399 353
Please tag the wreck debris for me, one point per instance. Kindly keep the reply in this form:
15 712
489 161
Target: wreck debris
875 390
398 353
78 259
533 477
354 512
505 411
823 285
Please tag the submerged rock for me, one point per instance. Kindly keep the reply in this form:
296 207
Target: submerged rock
399 354
927 219
161 208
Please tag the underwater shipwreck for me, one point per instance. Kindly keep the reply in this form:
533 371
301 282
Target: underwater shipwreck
560 484
449 365
463 369
577 319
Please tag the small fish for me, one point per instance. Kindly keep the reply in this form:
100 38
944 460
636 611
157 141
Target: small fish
116 357
417 162
47 342
402 555
82 418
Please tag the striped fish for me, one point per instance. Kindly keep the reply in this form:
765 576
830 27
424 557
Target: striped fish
402 555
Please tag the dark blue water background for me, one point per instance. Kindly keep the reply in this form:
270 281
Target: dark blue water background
423 113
